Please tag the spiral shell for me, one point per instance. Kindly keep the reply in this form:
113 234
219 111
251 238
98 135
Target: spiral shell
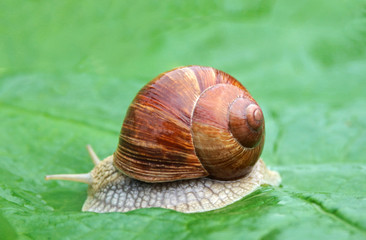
191 122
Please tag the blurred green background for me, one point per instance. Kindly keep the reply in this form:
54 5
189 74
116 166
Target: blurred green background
69 70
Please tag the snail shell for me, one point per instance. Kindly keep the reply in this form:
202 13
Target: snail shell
188 123
190 141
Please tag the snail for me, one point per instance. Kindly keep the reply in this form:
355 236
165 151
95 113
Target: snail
191 141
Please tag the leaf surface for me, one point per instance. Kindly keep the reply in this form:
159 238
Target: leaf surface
69 70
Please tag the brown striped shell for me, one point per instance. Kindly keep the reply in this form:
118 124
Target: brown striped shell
191 122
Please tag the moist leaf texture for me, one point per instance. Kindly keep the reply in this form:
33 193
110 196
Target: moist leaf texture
69 70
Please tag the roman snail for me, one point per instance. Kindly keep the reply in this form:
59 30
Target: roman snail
191 141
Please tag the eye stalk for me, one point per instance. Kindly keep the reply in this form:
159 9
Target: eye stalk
81 177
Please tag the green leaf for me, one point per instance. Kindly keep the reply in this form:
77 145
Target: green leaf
69 69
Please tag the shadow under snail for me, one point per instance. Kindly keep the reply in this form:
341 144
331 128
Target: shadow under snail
191 141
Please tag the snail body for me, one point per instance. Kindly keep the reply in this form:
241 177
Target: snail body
190 141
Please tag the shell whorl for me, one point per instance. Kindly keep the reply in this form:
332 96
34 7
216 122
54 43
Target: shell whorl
181 126
246 122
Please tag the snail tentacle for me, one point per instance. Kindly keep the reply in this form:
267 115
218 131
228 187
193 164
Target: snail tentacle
82 177
94 157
